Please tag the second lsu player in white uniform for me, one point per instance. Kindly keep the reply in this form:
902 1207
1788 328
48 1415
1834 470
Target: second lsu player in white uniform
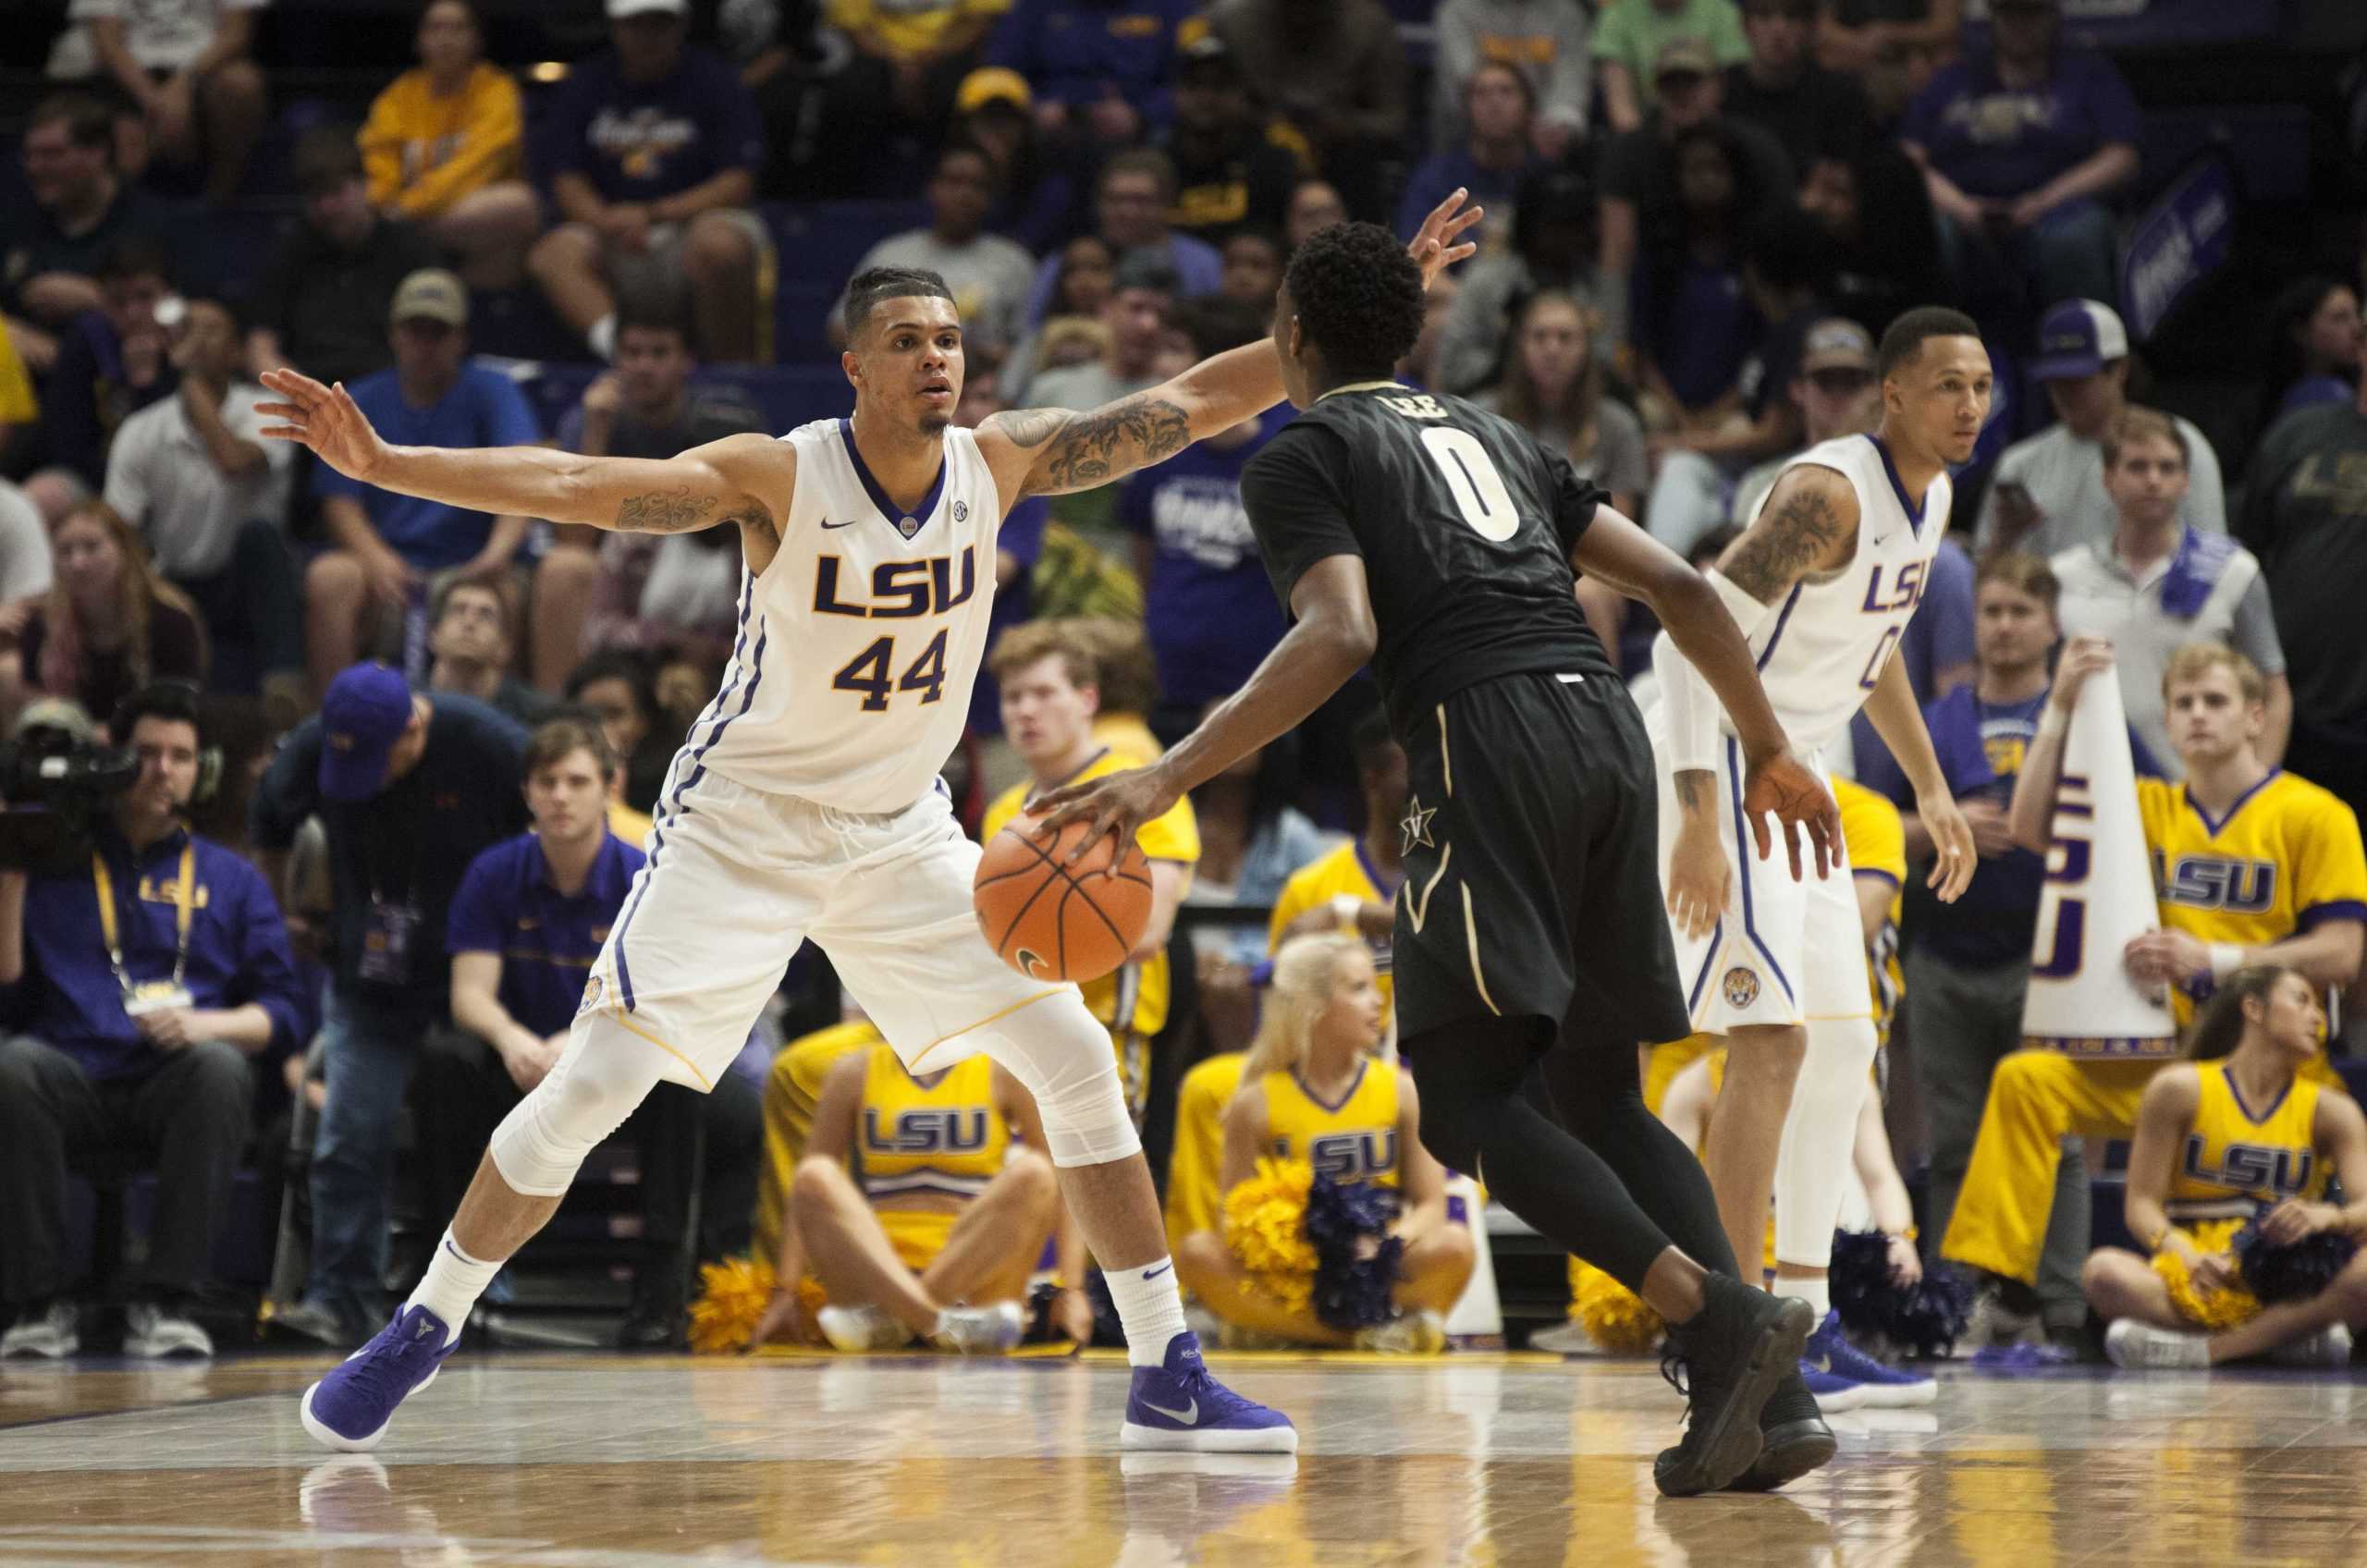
805 802
1823 582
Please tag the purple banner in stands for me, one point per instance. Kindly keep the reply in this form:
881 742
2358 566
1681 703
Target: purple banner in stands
2181 240
2120 24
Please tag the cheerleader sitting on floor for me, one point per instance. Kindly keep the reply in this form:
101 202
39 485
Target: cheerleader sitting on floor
1313 1090
2227 1180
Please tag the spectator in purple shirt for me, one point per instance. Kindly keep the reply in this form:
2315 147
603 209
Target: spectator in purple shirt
1489 160
1207 607
2019 144
651 155
144 979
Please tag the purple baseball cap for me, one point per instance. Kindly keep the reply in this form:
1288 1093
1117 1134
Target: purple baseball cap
365 712
2078 338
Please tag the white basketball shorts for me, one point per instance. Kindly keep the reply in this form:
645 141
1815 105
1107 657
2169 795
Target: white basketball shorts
1782 951
737 878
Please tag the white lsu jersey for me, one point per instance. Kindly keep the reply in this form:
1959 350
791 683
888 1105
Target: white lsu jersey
1821 653
851 676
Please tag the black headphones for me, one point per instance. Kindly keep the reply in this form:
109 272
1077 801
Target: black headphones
179 701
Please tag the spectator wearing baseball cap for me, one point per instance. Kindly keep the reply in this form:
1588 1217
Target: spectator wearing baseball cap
386 546
1336 72
322 305
409 787
651 153
2048 493
1235 170
1631 43
2020 143
1640 174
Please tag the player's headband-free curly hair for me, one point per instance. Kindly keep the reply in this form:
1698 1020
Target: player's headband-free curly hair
1358 297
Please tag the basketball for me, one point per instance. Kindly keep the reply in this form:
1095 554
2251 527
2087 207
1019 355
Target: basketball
1051 921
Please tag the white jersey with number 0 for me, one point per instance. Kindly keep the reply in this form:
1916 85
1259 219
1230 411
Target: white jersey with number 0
857 648
1820 652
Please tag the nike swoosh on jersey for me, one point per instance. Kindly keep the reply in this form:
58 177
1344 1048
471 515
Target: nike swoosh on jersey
848 523
1189 1415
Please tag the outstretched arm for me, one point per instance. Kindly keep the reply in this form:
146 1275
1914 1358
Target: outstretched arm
1049 451
741 479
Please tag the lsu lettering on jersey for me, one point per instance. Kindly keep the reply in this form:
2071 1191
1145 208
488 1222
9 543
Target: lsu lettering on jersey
1820 651
850 677
941 1136
1876 842
1196 1166
1348 870
1132 997
1353 1140
2236 1162
2283 859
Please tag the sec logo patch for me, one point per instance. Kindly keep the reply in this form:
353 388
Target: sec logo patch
1741 986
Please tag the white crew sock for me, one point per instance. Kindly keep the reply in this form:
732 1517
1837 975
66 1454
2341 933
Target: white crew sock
1151 1308
453 1283
1815 1290
602 336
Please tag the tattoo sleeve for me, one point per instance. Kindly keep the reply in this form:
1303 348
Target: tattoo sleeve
1784 546
1077 451
665 511
685 511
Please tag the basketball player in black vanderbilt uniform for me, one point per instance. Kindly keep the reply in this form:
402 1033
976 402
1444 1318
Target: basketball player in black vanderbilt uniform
1438 540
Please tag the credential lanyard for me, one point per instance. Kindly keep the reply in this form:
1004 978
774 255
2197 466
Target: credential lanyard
184 903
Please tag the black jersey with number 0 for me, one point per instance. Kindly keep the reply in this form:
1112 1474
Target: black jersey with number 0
1464 525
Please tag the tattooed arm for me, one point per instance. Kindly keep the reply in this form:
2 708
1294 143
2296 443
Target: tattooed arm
741 479
1049 451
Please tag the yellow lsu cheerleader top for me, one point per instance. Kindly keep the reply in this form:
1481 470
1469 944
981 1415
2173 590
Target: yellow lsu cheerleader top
1133 997
1354 1140
2235 1163
2285 857
1196 1164
942 1138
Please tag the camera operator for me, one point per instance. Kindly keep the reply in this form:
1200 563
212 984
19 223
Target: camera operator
142 983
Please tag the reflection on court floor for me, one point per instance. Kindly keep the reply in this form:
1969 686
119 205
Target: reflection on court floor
603 1462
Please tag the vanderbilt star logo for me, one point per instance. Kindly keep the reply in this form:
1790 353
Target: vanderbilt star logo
1416 826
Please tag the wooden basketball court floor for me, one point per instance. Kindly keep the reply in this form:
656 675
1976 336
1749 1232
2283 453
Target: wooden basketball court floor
605 1462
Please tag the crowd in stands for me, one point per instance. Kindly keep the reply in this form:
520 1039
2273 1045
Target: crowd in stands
395 758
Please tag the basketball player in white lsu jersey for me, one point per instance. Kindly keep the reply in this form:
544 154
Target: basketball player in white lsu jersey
806 802
1822 583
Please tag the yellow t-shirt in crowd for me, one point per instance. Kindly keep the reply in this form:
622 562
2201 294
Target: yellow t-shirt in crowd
17 404
909 27
1345 870
421 152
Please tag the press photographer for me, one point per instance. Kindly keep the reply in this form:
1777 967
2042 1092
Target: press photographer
55 779
134 988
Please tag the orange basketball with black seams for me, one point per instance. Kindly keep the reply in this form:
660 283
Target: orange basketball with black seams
1052 921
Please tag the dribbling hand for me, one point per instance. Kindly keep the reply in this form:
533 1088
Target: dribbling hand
1782 785
1116 806
324 418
